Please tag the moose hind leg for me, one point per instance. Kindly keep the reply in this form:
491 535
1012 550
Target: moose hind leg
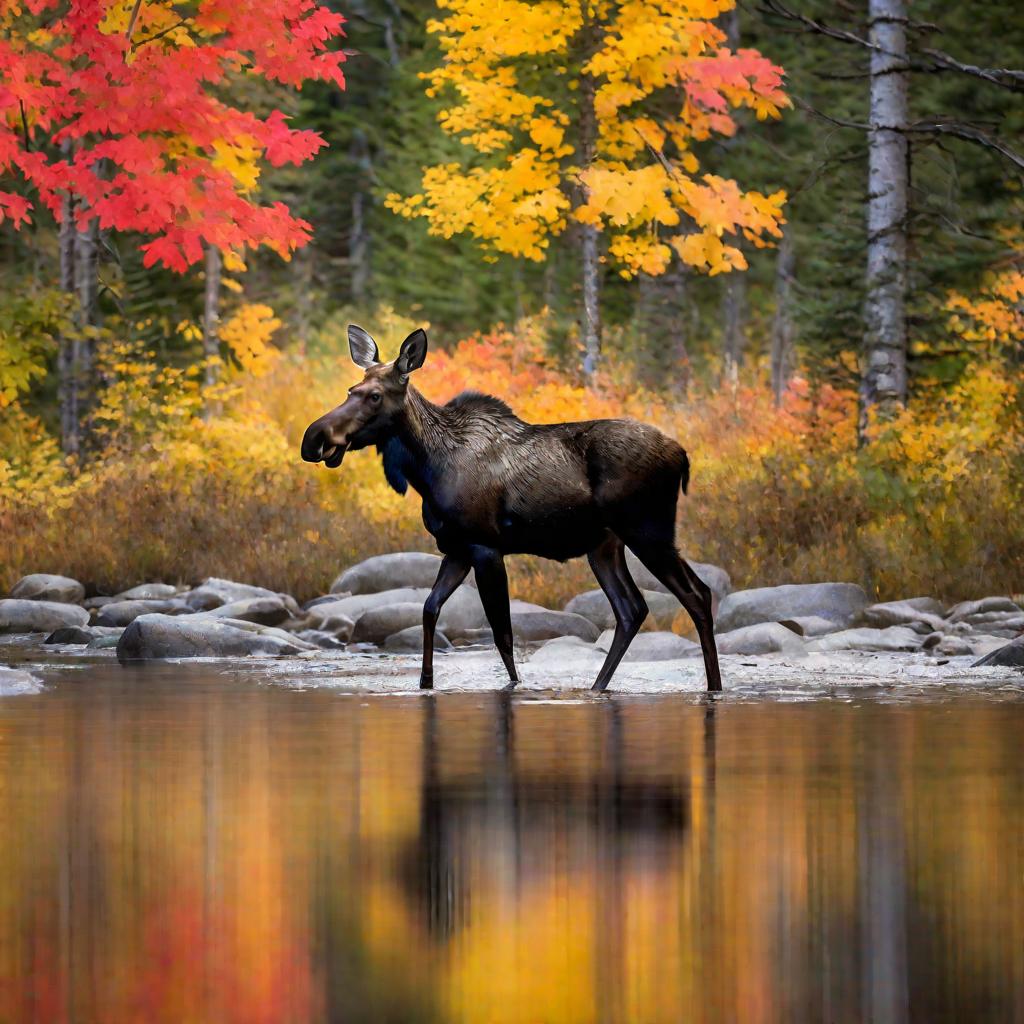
492 583
664 562
609 564
454 569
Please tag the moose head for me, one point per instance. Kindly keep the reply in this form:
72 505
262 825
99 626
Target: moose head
373 405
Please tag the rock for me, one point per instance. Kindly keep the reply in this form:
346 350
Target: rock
389 572
122 613
568 649
1011 655
410 641
201 636
267 611
41 586
354 606
1004 624
652 646
318 638
922 614
760 638
148 592
479 637
893 638
214 592
80 634
953 647
966 609
16 682
375 625
594 605
37 616
840 603
338 626
102 643
809 625
716 578
325 599
97 602
531 626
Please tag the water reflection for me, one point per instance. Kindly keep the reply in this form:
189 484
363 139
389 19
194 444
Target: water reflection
179 847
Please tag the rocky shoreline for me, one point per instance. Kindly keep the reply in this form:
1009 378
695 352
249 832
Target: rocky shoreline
376 606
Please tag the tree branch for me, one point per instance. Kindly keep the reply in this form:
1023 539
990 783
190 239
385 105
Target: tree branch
968 133
1006 78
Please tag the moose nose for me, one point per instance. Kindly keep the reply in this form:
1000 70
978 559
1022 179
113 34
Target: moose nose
313 442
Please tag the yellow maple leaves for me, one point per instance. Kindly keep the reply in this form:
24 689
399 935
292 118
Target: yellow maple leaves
662 80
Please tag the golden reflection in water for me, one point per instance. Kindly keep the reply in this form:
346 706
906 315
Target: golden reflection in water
203 850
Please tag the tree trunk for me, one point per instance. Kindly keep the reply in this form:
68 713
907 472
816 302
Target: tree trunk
68 354
590 263
87 289
359 239
211 316
662 319
884 380
782 323
733 311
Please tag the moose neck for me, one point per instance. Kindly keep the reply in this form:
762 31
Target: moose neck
427 438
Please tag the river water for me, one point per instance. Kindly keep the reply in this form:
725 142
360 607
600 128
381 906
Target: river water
188 844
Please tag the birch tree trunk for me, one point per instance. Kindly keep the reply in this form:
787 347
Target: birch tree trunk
211 316
733 311
782 322
884 378
87 287
68 353
590 264
359 240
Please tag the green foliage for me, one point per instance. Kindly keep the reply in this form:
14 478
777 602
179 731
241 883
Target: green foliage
29 327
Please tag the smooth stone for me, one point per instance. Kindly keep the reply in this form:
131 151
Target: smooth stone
567 649
42 586
148 592
1010 655
864 638
660 646
838 602
354 606
953 647
1004 624
922 614
81 634
375 625
980 607
410 641
389 572
102 643
91 603
338 626
716 578
470 637
16 682
36 616
267 611
122 613
761 638
214 592
810 625
595 606
318 638
532 626
324 599
200 636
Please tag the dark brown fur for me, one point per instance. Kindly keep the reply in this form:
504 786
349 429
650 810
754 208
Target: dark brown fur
493 485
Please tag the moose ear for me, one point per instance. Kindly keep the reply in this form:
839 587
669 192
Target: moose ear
363 347
412 352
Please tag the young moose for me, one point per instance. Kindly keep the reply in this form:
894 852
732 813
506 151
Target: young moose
493 485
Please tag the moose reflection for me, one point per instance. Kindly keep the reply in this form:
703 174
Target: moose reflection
493 485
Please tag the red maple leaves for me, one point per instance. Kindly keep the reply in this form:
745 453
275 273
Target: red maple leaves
142 131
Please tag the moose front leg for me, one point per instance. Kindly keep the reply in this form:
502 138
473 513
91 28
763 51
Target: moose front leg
454 569
492 583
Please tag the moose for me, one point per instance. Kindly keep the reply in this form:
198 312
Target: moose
493 485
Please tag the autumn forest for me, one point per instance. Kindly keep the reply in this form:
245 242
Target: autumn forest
786 232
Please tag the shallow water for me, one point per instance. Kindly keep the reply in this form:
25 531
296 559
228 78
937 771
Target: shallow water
183 843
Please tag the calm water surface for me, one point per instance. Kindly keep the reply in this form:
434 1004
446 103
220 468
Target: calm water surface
188 845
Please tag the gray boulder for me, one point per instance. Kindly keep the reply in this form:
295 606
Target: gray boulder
1009 656
80 635
809 625
1004 624
532 626
201 636
893 638
148 592
267 611
652 646
715 577
375 625
840 603
354 606
16 682
41 586
389 572
594 605
338 626
318 638
922 614
761 638
953 647
568 650
410 641
97 602
122 613
37 616
103 643
214 592
969 609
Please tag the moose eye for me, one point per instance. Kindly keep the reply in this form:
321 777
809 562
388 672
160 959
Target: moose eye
375 397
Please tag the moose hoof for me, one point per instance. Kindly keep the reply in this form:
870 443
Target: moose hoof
426 681
510 686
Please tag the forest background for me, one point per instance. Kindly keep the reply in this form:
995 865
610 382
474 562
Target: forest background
814 281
